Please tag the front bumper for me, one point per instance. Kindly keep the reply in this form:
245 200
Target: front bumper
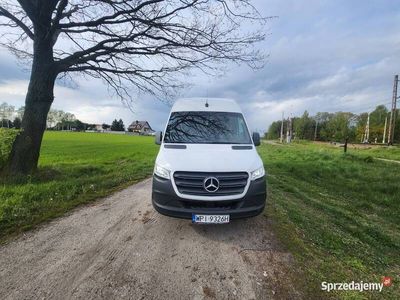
166 202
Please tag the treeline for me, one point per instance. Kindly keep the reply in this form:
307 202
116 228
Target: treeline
11 117
56 120
338 126
117 125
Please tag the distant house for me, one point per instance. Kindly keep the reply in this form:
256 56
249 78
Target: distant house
98 127
141 127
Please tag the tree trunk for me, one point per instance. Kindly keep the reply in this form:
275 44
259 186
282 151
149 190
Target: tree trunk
26 148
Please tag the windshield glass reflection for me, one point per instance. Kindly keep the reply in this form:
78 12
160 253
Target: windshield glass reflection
207 128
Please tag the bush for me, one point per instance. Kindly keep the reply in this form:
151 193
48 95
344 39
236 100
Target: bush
369 159
7 137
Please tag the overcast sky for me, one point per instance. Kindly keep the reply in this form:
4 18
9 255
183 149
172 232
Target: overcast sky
335 55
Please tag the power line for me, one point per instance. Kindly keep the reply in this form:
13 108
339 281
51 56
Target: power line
370 108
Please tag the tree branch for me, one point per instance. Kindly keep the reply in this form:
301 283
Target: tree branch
111 19
59 14
146 44
18 22
30 9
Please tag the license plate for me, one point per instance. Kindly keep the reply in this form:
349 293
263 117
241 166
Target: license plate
210 219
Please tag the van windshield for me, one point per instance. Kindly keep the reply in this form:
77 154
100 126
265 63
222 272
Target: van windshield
201 127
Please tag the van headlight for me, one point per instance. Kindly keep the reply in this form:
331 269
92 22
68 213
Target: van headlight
260 172
161 172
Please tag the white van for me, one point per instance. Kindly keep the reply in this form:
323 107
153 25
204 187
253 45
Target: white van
208 169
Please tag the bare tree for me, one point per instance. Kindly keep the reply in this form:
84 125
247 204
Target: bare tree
3 112
132 45
6 113
20 112
60 119
10 114
51 118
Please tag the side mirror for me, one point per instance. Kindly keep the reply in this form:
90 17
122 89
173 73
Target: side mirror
158 137
256 139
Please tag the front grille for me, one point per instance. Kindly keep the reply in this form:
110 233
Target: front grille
191 183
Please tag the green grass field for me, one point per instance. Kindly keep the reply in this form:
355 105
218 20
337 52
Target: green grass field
74 168
392 153
337 213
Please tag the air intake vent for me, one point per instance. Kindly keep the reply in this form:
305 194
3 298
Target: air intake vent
229 183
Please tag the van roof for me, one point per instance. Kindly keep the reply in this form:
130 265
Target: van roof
199 104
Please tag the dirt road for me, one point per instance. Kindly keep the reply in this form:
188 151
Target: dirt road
120 248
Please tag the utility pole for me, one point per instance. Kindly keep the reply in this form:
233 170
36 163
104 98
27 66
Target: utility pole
282 129
366 135
392 122
316 129
289 131
384 131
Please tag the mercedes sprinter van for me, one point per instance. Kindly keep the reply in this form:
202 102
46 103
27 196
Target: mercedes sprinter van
208 169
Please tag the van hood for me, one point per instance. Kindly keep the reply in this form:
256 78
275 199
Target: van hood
209 158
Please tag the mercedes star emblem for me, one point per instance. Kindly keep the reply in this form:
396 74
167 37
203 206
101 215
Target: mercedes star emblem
211 184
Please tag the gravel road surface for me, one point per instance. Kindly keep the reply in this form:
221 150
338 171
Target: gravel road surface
120 248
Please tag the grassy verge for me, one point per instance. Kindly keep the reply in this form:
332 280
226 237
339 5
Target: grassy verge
74 168
387 152
338 214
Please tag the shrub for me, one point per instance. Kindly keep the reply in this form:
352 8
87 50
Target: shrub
369 159
7 137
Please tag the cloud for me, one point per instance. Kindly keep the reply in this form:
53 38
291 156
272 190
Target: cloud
323 56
